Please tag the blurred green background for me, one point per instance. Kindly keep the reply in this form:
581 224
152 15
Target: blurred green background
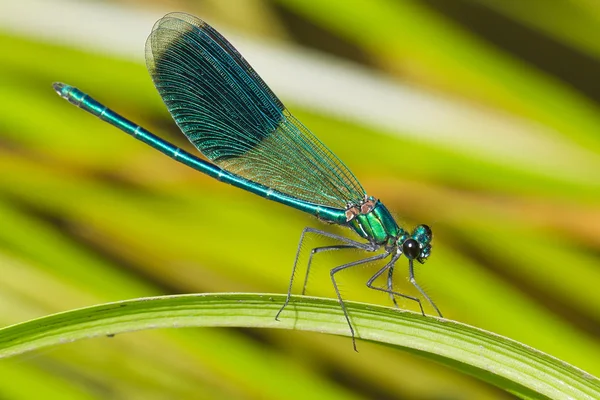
477 117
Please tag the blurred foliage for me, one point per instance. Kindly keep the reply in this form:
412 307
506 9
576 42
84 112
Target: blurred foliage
89 215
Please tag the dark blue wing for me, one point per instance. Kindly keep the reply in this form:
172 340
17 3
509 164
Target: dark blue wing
227 111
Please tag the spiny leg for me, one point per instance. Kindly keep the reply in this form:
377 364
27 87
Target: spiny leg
411 276
389 266
337 291
350 243
320 250
390 284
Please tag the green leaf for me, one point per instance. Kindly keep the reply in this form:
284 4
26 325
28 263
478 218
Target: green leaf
510 365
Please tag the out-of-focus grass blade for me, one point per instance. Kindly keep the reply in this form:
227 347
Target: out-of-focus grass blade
22 381
403 34
514 367
567 21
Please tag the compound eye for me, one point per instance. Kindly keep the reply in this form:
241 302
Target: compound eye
427 230
411 249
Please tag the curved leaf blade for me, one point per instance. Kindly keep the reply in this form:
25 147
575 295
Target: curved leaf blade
515 367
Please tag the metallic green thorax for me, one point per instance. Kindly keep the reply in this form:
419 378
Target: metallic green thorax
377 225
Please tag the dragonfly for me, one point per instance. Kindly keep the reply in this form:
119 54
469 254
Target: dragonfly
253 142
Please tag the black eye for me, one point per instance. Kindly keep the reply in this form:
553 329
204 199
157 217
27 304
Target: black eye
411 248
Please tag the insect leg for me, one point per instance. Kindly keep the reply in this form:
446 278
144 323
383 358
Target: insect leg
411 276
389 266
349 244
337 291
